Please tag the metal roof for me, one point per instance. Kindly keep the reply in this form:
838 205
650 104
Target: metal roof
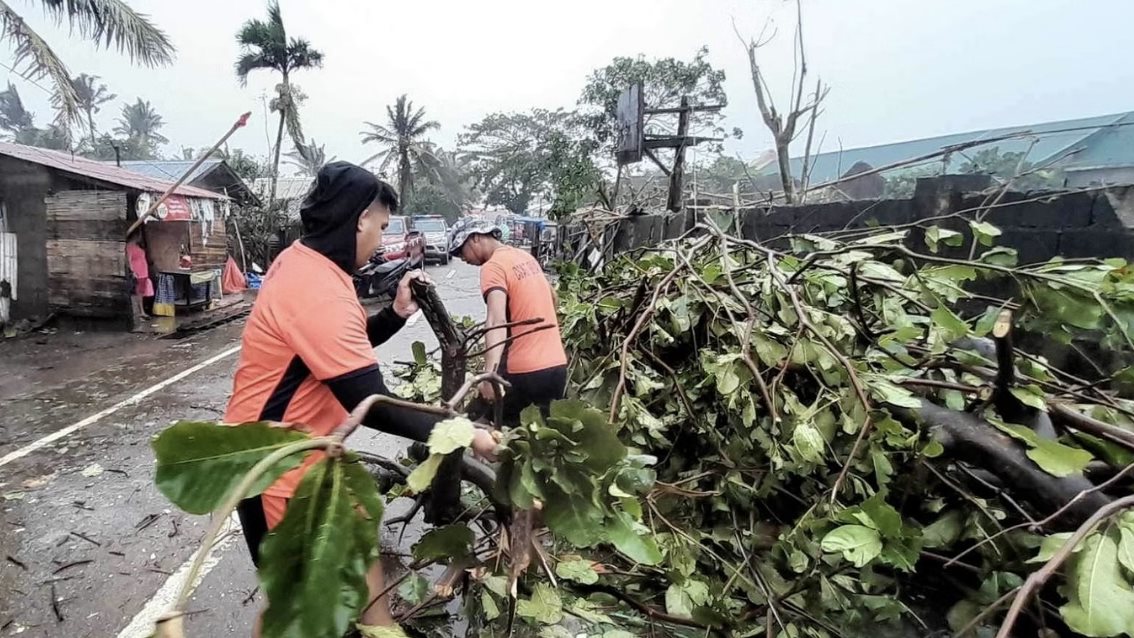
1050 143
96 170
169 170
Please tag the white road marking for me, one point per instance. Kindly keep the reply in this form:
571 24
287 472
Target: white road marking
413 318
142 625
94 418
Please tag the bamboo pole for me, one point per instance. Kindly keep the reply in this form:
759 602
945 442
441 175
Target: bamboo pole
181 180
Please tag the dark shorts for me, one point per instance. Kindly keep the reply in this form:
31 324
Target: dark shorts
538 388
254 524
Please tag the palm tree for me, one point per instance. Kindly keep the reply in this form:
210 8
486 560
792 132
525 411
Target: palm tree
92 95
401 137
309 158
139 123
108 23
265 45
14 118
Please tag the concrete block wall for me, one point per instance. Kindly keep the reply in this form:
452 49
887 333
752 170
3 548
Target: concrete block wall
1038 225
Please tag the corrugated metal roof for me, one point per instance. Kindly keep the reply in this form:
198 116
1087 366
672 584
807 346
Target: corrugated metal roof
1051 141
286 187
99 171
169 170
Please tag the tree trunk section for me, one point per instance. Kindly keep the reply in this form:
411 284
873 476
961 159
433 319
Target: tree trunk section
784 161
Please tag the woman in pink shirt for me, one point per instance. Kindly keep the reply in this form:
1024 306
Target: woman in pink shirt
143 286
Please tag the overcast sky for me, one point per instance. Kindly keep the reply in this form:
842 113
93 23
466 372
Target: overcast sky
898 69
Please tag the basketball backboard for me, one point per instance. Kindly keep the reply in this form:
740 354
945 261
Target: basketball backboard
629 119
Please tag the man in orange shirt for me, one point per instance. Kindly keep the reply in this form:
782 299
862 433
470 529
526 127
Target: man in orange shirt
515 290
307 353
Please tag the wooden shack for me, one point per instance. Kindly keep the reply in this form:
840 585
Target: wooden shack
67 217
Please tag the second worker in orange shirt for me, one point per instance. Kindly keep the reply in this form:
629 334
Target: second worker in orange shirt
530 357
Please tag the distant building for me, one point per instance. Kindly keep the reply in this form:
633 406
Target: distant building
289 189
212 175
1089 151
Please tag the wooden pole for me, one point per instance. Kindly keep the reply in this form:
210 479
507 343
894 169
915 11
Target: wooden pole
200 160
677 176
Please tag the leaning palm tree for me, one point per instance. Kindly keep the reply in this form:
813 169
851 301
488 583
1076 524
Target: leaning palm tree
140 123
309 158
92 95
108 23
401 137
265 45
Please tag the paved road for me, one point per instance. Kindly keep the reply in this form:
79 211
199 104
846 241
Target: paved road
88 547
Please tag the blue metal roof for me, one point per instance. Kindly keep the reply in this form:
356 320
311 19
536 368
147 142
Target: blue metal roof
169 170
1101 144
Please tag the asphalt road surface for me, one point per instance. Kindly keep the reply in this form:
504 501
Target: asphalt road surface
88 546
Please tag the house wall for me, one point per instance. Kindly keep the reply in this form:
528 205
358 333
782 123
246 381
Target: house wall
86 254
23 187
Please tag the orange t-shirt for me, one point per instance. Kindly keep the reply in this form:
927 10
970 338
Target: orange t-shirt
307 327
521 277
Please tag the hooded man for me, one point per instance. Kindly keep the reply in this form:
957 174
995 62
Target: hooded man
307 353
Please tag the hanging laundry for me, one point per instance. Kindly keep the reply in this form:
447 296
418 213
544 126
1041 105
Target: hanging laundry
166 295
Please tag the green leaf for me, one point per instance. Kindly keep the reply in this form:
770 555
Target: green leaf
497 585
639 548
945 531
574 517
451 541
950 324
315 561
1052 457
451 435
809 442
578 570
1000 256
859 544
590 430
1030 396
198 464
414 589
363 489
422 476
544 606
1051 544
890 393
1126 543
488 605
984 232
935 234
589 611
419 356
1100 600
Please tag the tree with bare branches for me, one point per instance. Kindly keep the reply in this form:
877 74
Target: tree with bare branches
800 115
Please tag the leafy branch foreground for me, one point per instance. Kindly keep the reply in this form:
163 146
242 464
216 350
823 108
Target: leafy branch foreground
833 440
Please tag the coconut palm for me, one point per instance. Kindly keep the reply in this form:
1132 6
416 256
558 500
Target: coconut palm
139 123
14 117
265 45
402 140
92 95
108 23
309 158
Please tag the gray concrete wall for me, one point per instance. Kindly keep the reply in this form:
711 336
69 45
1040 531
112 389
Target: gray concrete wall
1038 225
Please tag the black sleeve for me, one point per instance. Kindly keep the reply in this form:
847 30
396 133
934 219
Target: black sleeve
351 388
383 325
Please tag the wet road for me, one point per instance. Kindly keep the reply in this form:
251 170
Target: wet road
88 547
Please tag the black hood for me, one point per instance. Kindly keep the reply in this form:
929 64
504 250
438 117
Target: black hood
331 210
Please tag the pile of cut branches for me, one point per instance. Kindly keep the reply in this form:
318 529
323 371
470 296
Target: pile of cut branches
849 438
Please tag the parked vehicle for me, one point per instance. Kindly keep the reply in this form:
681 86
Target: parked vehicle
397 235
436 234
